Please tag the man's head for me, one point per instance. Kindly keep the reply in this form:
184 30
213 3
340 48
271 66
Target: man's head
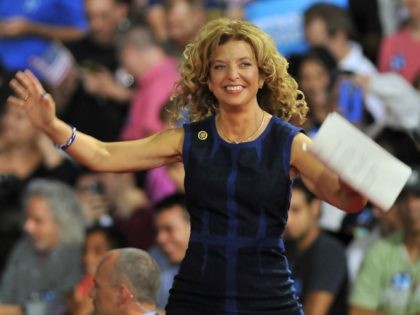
304 212
185 18
126 279
172 223
410 204
105 17
53 215
327 25
139 50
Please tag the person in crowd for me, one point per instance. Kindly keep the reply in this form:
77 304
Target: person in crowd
126 282
172 224
315 72
153 12
317 260
156 74
25 153
240 155
399 97
29 28
398 51
98 241
366 17
184 20
166 180
392 15
400 145
386 222
103 89
91 195
45 264
130 208
388 281
330 26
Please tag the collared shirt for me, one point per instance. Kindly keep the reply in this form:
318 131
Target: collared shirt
388 280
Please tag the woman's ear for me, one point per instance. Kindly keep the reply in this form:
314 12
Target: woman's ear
261 81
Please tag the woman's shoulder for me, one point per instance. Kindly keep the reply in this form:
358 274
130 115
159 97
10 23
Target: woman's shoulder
203 123
285 125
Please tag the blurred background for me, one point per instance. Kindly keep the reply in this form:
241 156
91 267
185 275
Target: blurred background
111 66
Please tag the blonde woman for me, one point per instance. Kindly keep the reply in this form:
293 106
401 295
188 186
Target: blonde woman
240 156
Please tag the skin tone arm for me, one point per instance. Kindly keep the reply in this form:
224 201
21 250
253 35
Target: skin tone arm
318 303
10 310
161 148
322 181
21 27
355 310
101 83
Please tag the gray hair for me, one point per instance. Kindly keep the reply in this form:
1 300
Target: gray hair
139 271
64 206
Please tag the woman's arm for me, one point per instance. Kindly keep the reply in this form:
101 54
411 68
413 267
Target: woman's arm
321 180
158 149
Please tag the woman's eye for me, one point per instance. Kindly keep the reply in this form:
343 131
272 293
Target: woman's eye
245 64
218 67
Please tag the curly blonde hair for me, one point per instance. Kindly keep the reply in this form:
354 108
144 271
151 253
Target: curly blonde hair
279 96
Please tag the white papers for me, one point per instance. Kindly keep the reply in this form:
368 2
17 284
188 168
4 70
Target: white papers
359 161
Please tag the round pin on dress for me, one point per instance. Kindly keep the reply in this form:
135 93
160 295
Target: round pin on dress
202 135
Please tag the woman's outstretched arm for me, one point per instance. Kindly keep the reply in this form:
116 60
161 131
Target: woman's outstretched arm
321 180
158 149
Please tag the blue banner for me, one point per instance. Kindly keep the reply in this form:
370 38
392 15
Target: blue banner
283 20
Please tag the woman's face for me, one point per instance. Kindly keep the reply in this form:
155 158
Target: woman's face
96 246
15 127
314 81
234 74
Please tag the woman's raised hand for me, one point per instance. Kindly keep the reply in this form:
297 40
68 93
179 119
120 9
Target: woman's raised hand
31 96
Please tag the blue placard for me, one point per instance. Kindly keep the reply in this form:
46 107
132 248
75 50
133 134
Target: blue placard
283 20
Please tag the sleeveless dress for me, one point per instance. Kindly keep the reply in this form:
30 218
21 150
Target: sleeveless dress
238 196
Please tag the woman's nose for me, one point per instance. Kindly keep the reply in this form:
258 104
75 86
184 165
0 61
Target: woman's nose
233 73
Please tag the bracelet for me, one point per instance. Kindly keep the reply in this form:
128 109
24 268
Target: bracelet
69 142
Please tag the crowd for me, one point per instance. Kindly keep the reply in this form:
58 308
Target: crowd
74 241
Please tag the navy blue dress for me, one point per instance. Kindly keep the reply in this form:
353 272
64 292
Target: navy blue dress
238 196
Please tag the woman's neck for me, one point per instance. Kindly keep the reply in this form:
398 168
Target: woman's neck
238 125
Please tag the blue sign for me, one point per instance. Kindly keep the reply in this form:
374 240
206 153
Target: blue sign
283 20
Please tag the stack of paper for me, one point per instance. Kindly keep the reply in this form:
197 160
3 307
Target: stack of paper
359 161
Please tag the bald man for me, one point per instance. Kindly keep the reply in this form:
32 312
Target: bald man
126 282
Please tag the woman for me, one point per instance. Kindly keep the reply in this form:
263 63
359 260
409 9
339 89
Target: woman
98 241
240 155
315 75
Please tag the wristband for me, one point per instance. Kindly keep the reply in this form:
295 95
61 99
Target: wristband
69 142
